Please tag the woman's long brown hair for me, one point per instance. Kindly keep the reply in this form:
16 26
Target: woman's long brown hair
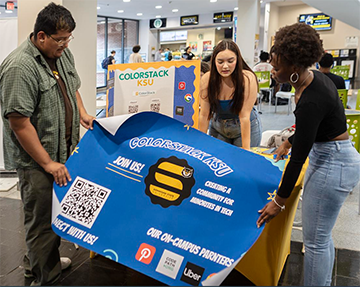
237 77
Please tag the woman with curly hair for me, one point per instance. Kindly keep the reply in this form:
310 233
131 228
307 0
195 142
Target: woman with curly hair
227 97
321 133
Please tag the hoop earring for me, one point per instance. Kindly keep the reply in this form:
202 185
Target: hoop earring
291 77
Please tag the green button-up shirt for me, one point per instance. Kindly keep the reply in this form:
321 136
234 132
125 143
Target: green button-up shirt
28 87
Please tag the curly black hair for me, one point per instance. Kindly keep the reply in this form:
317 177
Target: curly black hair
298 45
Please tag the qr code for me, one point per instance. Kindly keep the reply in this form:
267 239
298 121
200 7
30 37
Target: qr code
155 107
133 109
84 201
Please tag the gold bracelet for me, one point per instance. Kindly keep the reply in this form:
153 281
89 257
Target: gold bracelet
282 208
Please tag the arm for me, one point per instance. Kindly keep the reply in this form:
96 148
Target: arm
308 119
85 119
250 94
204 104
27 136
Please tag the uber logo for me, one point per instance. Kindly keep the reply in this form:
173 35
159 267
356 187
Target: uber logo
192 274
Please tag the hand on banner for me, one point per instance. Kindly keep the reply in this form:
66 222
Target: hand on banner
270 210
282 150
87 121
59 172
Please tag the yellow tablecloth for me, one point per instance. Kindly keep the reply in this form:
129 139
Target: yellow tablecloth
264 262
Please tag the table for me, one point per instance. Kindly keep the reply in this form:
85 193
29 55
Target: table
265 260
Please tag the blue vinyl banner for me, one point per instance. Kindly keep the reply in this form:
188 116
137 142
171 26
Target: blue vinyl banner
163 198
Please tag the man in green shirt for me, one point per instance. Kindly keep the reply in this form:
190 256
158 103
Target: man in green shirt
41 108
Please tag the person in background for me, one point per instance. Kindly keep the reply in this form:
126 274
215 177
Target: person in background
321 133
167 54
135 56
110 60
158 55
205 67
188 55
227 97
263 65
42 109
325 63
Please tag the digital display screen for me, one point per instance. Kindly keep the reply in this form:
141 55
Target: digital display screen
169 36
318 21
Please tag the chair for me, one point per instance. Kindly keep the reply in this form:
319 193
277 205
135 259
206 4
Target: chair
264 82
343 93
342 71
285 95
357 107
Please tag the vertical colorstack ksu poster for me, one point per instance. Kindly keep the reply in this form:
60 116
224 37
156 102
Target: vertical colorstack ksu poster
163 198
170 88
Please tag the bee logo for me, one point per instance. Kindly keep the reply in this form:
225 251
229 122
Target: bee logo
169 181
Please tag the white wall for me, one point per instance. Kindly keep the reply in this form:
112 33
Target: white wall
273 22
8 32
148 39
27 12
208 35
84 49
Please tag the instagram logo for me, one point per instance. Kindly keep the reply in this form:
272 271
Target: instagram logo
145 253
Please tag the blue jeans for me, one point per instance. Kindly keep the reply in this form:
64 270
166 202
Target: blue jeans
229 130
333 172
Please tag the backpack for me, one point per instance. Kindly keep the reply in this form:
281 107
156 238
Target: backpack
170 56
105 63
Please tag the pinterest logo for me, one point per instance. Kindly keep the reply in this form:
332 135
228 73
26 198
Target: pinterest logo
145 253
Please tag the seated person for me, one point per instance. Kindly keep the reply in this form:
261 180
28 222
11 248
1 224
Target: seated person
262 66
325 65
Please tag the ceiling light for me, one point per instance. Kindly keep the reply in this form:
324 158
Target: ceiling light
126 0
98 7
219 28
236 8
120 11
8 11
139 14
175 10
213 1
158 7
158 16
261 1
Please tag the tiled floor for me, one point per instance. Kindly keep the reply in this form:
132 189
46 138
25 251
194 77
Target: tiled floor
102 271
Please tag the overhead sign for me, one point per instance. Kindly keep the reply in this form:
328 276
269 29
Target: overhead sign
149 194
223 17
9 6
318 21
189 20
157 23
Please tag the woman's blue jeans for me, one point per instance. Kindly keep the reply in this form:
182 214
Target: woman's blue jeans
333 172
229 130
